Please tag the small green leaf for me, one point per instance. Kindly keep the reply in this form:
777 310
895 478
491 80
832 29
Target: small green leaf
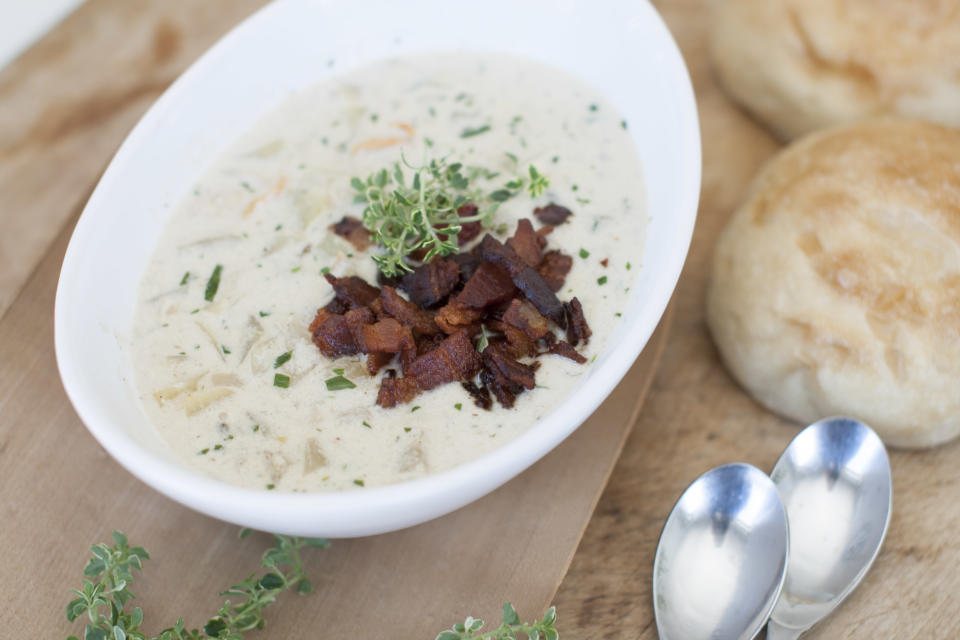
510 616
244 532
213 284
501 195
338 383
119 634
304 586
458 406
184 279
214 626
470 132
449 635
550 616
280 380
271 581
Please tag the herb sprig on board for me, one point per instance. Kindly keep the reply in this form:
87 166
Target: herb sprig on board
104 595
422 215
103 598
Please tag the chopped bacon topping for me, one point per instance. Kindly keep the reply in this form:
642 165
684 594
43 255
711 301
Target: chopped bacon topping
355 233
352 291
552 214
430 284
526 278
504 376
577 329
526 243
407 313
453 360
554 269
507 291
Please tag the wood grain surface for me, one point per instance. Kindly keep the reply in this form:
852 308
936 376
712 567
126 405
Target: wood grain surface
66 105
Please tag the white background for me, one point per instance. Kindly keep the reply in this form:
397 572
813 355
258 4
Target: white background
24 21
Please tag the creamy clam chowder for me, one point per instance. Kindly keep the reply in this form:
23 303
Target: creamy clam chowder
224 362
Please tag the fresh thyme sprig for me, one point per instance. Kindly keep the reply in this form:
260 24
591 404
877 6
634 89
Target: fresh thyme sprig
511 626
422 216
103 597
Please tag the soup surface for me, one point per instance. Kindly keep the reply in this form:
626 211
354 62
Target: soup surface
207 370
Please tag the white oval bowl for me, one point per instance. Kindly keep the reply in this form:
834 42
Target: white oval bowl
622 49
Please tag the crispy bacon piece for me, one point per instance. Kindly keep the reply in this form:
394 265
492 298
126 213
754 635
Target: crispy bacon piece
394 390
554 269
504 376
335 306
407 313
526 244
526 278
332 335
385 336
525 317
565 349
468 230
353 230
430 284
552 214
517 344
376 361
577 328
455 316
489 285
453 360
352 291
480 395
426 344
468 263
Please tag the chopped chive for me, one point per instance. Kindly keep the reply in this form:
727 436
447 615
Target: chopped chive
256 428
295 269
602 280
623 124
408 429
213 284
195 311
271 487
264 314
280 380
574 188
338 383
555 159
428 141
358 482
618 314
374 117
204 452
594 107
584 254
469 133
414 408
283 357
325 270
628 266
367 424
458 406
217 447
225 350
339 372
184 279
278 227
246 185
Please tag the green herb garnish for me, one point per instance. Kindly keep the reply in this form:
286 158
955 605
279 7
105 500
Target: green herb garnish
213 284
184 279
280 380
283 357
414 408
584 254
602 280
225 350
458 406
510 627
469 133
358 482
367 425
264 314
338 383
109 573
421 215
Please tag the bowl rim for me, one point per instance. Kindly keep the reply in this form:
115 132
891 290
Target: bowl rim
396 506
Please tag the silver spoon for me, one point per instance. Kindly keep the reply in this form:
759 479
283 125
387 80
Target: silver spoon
834 480
722 557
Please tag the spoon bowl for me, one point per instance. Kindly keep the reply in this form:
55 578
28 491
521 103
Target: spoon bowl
835 483
722 557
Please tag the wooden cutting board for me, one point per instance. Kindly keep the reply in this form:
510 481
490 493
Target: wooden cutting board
65 106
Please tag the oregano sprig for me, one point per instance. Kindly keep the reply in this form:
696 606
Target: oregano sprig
510 628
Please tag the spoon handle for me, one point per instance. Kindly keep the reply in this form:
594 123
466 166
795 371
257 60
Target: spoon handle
776 632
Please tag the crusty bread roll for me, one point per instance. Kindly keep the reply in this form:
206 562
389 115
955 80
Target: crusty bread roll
836 285
802 65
